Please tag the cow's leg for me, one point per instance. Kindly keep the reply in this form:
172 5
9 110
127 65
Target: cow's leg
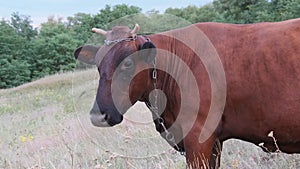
198 155
215 159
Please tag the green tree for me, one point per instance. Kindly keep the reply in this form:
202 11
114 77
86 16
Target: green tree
22 25
250 11
189 13
52 49
14 69
82 25
285 9
110 14
236 11
194 14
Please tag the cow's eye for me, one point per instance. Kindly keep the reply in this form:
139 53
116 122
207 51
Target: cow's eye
127 64
127 68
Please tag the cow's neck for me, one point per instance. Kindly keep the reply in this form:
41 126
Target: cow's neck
168 68
176 64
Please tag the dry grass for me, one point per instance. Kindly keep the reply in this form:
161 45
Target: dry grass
45 124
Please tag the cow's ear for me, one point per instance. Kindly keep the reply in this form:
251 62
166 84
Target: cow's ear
86 54
148 52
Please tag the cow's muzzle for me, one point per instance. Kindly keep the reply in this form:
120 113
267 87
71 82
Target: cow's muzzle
106 118
99 120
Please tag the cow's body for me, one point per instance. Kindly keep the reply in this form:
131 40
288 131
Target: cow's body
262 69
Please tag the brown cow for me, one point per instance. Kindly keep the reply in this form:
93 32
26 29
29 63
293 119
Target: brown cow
248 77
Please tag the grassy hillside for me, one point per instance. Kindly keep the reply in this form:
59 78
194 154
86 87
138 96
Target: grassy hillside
45 124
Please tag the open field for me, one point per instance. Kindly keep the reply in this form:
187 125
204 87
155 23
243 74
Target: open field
45 124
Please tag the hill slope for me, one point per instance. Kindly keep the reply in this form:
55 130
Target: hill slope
45 124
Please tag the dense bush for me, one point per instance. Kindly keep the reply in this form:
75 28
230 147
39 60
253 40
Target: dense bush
14 68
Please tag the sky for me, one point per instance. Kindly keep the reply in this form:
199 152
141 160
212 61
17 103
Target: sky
40 10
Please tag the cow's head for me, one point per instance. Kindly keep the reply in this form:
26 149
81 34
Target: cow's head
121 63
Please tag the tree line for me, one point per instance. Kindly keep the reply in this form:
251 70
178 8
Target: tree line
242 12
27 53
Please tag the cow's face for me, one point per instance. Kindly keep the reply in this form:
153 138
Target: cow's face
124 76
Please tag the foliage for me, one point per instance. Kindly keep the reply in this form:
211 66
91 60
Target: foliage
13 66
110 14
21 25
285 9
194 14
27 54
81 23
52 49
236 11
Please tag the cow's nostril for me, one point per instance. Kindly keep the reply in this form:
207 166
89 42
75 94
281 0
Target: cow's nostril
106 117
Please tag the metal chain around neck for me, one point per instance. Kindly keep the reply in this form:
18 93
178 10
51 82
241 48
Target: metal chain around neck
155 110
109 42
